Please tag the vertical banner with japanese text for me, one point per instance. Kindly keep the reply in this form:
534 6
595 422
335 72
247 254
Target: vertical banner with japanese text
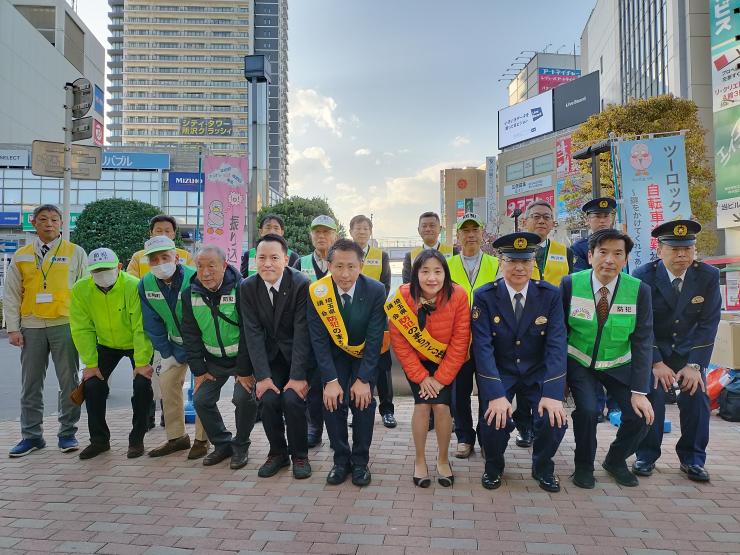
569 192
225 204
655 189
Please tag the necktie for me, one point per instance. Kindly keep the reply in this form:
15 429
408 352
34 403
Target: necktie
677 283
518 307
274 293
602 308
44 250
346 301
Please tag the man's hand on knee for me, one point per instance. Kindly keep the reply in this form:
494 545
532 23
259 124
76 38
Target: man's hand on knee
92 371
263 386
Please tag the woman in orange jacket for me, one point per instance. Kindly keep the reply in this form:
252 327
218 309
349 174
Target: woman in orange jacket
430 334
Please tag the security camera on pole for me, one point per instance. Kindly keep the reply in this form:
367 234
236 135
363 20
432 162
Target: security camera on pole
77 127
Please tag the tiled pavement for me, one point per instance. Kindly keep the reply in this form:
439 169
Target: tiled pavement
52 502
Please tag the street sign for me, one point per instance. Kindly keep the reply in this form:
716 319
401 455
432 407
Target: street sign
47 160
83 97
82 128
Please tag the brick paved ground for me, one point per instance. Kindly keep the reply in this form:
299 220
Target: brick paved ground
52 502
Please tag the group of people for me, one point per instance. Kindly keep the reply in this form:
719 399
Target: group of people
307 339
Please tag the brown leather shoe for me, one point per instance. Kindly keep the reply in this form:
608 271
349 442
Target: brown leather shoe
198 450
172 446
464 450
135 451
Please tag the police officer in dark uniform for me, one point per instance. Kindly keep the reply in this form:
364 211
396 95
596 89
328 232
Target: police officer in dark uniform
600 214
520 348
686 314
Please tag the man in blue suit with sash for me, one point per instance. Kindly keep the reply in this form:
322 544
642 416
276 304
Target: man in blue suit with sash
686 314
519 344
610 326
346 323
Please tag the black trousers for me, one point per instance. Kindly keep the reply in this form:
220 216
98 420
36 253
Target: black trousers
385 384
283 413
462 391
523 416
315 405
96 396
584 384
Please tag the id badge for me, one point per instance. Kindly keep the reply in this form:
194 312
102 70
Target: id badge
44 298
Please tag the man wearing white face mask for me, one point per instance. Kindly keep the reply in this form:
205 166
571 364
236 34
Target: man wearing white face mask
106 322
161 308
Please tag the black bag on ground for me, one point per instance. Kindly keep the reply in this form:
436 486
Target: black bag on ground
729 405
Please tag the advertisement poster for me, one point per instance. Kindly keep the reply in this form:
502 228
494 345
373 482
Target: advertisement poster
525 120
522 202
225 204
655 189
551 77
569 193
727 166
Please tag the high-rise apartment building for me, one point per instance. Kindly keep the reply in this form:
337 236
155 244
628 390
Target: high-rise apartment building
177 74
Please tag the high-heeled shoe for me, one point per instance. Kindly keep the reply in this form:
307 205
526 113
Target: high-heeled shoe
424 482
446 481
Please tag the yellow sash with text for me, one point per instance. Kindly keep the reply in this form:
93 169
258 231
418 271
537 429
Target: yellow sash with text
407 323
327 307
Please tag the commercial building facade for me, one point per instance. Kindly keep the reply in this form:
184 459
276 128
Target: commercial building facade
462 190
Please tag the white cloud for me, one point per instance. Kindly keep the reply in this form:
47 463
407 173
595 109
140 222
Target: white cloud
363 152
459 141
307 106
316 153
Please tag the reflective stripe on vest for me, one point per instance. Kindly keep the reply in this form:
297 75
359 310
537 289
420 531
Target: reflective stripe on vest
486 273
373 264
307 267
56 263
614 344
217 333
159 304
252 261
446 251
556 264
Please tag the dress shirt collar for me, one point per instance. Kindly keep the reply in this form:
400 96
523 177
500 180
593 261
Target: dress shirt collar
51 244
513 292
351 291
276 285
435 247
611 286
671 277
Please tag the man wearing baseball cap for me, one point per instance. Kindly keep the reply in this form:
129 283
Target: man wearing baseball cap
161 307
315 266
470 269
107 325
686 308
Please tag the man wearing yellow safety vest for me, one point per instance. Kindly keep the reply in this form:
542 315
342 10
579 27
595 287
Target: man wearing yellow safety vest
216 350
161 307
609 317
376 265
315 266
553 260
429 230
470 269
107 325
346 322
36 303
270 223
138 266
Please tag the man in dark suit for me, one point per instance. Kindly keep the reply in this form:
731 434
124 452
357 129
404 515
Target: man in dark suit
519 344
429 229
610 325
686 313
346 321
273 315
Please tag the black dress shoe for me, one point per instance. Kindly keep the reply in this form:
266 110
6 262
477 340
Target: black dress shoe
695 472
524 439
272 465
337 475
621 474
446 481
584 478
389 421
361 476
93 450
135 451
490 481
422 482
643 468
313 440
239 460
216 456
547 483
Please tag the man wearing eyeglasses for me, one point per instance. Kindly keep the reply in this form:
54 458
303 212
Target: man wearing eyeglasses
553 260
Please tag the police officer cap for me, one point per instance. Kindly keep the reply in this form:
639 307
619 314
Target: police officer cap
601 205
518 245
677 233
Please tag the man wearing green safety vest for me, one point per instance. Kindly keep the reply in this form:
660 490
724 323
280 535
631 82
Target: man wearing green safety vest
315 266
161 308
216 350
470 269
270 223
609 317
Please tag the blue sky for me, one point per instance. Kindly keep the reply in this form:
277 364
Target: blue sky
385 93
